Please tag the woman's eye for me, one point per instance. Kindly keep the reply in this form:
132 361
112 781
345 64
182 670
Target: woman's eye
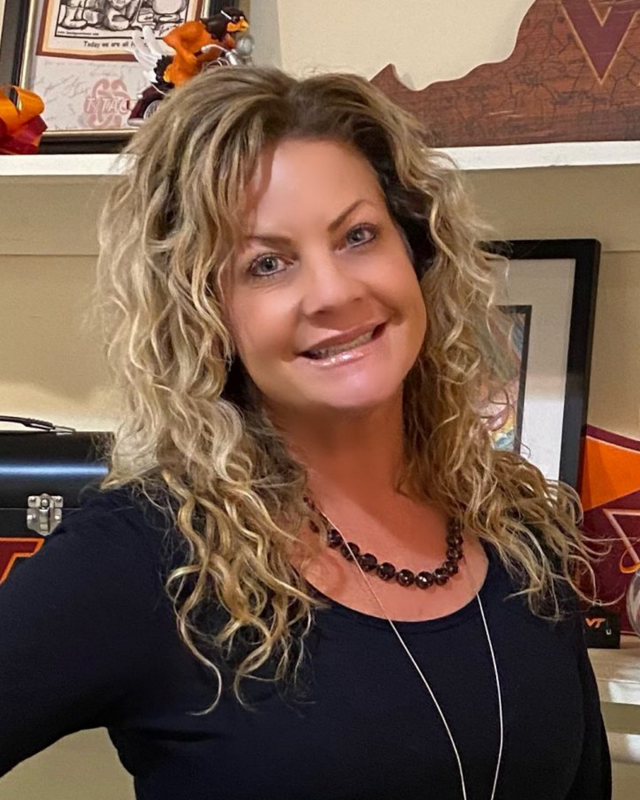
361 234
270 264
265 266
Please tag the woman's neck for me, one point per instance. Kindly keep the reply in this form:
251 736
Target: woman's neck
360 456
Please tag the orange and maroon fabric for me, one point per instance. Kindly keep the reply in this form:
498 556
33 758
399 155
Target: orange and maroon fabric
21 125
610 493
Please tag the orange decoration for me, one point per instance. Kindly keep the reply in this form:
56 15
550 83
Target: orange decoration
609 471
628 569
195 44
610 493
21 125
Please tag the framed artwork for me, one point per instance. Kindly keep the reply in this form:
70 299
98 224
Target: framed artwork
550 294
77 56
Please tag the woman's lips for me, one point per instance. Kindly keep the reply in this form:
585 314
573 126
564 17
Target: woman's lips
349 356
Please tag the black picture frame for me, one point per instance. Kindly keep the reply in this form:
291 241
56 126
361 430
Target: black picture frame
13 33
585 253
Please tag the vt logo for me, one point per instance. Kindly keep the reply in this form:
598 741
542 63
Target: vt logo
10 549
600 28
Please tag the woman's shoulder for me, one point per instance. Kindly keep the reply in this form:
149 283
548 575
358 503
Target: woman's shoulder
120 524
557 608
122 506
100 566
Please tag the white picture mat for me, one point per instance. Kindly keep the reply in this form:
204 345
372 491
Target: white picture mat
547 286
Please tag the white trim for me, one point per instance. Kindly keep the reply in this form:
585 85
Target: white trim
521 156
60 165
554 154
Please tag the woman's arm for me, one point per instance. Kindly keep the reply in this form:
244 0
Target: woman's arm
75 632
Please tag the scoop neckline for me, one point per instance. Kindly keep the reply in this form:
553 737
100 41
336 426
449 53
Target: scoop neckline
460 615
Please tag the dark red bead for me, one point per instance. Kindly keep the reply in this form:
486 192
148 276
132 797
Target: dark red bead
334 538
368 562
405 577
441 576
424 580
452 567
345 551
386 571
453 552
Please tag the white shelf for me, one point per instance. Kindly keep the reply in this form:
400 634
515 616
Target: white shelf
521 156
64 165
49 203
555 154
618 672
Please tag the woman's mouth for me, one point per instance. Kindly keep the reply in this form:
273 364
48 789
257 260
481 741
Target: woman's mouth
348 351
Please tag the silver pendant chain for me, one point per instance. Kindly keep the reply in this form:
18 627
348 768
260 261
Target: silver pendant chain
426 682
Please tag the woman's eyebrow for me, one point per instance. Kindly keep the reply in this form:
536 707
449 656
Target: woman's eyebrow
337 222
276 239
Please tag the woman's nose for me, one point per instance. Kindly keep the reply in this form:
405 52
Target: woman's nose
329 283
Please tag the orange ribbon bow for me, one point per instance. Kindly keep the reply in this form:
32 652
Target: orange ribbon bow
21 125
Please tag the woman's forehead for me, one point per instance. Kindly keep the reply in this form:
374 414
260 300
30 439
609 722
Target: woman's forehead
294 175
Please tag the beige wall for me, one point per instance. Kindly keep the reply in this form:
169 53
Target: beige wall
615 394
428 40
49 366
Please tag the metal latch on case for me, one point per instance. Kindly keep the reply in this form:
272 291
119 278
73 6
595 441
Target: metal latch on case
44 513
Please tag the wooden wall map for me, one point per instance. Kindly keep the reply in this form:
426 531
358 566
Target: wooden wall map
574 75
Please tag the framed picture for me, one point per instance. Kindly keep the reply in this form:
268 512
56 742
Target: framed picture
550 295
77 55
504 413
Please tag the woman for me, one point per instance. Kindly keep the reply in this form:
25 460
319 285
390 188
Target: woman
297 307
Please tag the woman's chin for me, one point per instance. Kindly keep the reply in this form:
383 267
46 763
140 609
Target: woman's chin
355 402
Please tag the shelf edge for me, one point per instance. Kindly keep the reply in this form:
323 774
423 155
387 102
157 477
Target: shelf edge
553 154
503 157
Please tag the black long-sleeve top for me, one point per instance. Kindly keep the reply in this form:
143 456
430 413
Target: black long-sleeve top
88 639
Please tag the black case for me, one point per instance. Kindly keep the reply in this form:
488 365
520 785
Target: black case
601 627
42 474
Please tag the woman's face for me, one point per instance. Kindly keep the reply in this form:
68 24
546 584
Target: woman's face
323 302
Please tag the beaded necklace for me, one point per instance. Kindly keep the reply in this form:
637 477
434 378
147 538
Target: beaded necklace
357 559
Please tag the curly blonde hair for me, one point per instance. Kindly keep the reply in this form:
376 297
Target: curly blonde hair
192 430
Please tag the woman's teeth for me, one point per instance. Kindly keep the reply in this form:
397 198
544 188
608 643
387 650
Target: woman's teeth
342 348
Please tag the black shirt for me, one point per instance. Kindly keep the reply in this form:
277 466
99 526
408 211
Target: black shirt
88 639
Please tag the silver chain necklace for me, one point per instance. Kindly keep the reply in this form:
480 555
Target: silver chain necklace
476 591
